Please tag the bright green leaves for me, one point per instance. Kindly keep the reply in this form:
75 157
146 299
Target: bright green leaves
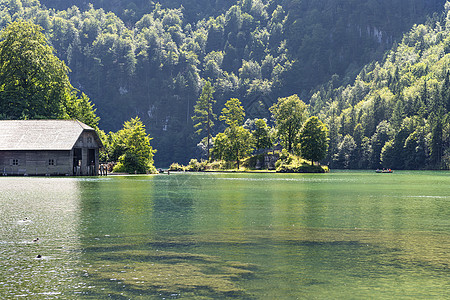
233 114
131 147
289 114
81 109
262 134
308 139
33 81
235 142
313 140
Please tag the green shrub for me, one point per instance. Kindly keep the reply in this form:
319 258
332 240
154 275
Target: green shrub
306 168
289 163
196 166
220 165
176 167
284 159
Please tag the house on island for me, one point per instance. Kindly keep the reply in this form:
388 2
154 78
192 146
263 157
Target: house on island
48 147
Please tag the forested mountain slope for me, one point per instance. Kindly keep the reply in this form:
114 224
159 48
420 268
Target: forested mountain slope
148 59
397 112
131 11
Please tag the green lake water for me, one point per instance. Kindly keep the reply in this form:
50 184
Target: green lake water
343 235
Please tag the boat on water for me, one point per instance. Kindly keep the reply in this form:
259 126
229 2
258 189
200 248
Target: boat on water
384 171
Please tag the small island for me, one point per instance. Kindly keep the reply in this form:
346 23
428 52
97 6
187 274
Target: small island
293 145
270 162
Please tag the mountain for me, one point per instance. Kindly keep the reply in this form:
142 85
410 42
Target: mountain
140 58
396 114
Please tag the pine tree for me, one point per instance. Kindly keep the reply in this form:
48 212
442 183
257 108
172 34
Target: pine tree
203 114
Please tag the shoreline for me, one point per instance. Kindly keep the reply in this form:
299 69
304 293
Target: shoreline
244 171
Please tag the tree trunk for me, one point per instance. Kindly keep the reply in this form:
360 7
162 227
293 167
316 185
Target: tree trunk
290 140
237 159
207 137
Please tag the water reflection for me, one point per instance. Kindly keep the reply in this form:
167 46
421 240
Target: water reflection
188 236
120 206
155 257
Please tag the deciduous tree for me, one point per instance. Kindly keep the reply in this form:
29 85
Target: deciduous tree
132 146
262 135
82 109
236 142
233 114
289 114
241 143
313 140
33 81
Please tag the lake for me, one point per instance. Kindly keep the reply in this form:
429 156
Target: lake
342 235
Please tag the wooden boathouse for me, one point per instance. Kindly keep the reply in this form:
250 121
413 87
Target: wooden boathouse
48 148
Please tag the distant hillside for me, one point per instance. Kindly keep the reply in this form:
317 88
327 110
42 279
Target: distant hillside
132 10
397 112
148 60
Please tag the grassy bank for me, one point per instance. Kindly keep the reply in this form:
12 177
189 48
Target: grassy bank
271 162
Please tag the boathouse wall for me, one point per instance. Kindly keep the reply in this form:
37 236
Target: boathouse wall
50 163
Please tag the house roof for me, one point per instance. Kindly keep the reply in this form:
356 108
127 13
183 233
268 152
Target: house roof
41 134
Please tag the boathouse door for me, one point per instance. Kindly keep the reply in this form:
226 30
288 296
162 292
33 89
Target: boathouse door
91 162
77 161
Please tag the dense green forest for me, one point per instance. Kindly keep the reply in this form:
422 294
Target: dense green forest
147 59
397 112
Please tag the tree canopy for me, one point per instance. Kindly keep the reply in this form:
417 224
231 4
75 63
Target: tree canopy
313 140
131 147
262 134
236 142
33 81
396 114
233 113
289 114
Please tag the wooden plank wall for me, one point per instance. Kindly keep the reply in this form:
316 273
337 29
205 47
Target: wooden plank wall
36 163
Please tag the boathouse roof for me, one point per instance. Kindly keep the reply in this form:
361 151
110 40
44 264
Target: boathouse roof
41 134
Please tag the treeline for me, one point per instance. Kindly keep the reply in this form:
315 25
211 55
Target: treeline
130 11
397 112
148 59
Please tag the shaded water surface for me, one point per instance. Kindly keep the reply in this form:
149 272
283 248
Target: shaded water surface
344 235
